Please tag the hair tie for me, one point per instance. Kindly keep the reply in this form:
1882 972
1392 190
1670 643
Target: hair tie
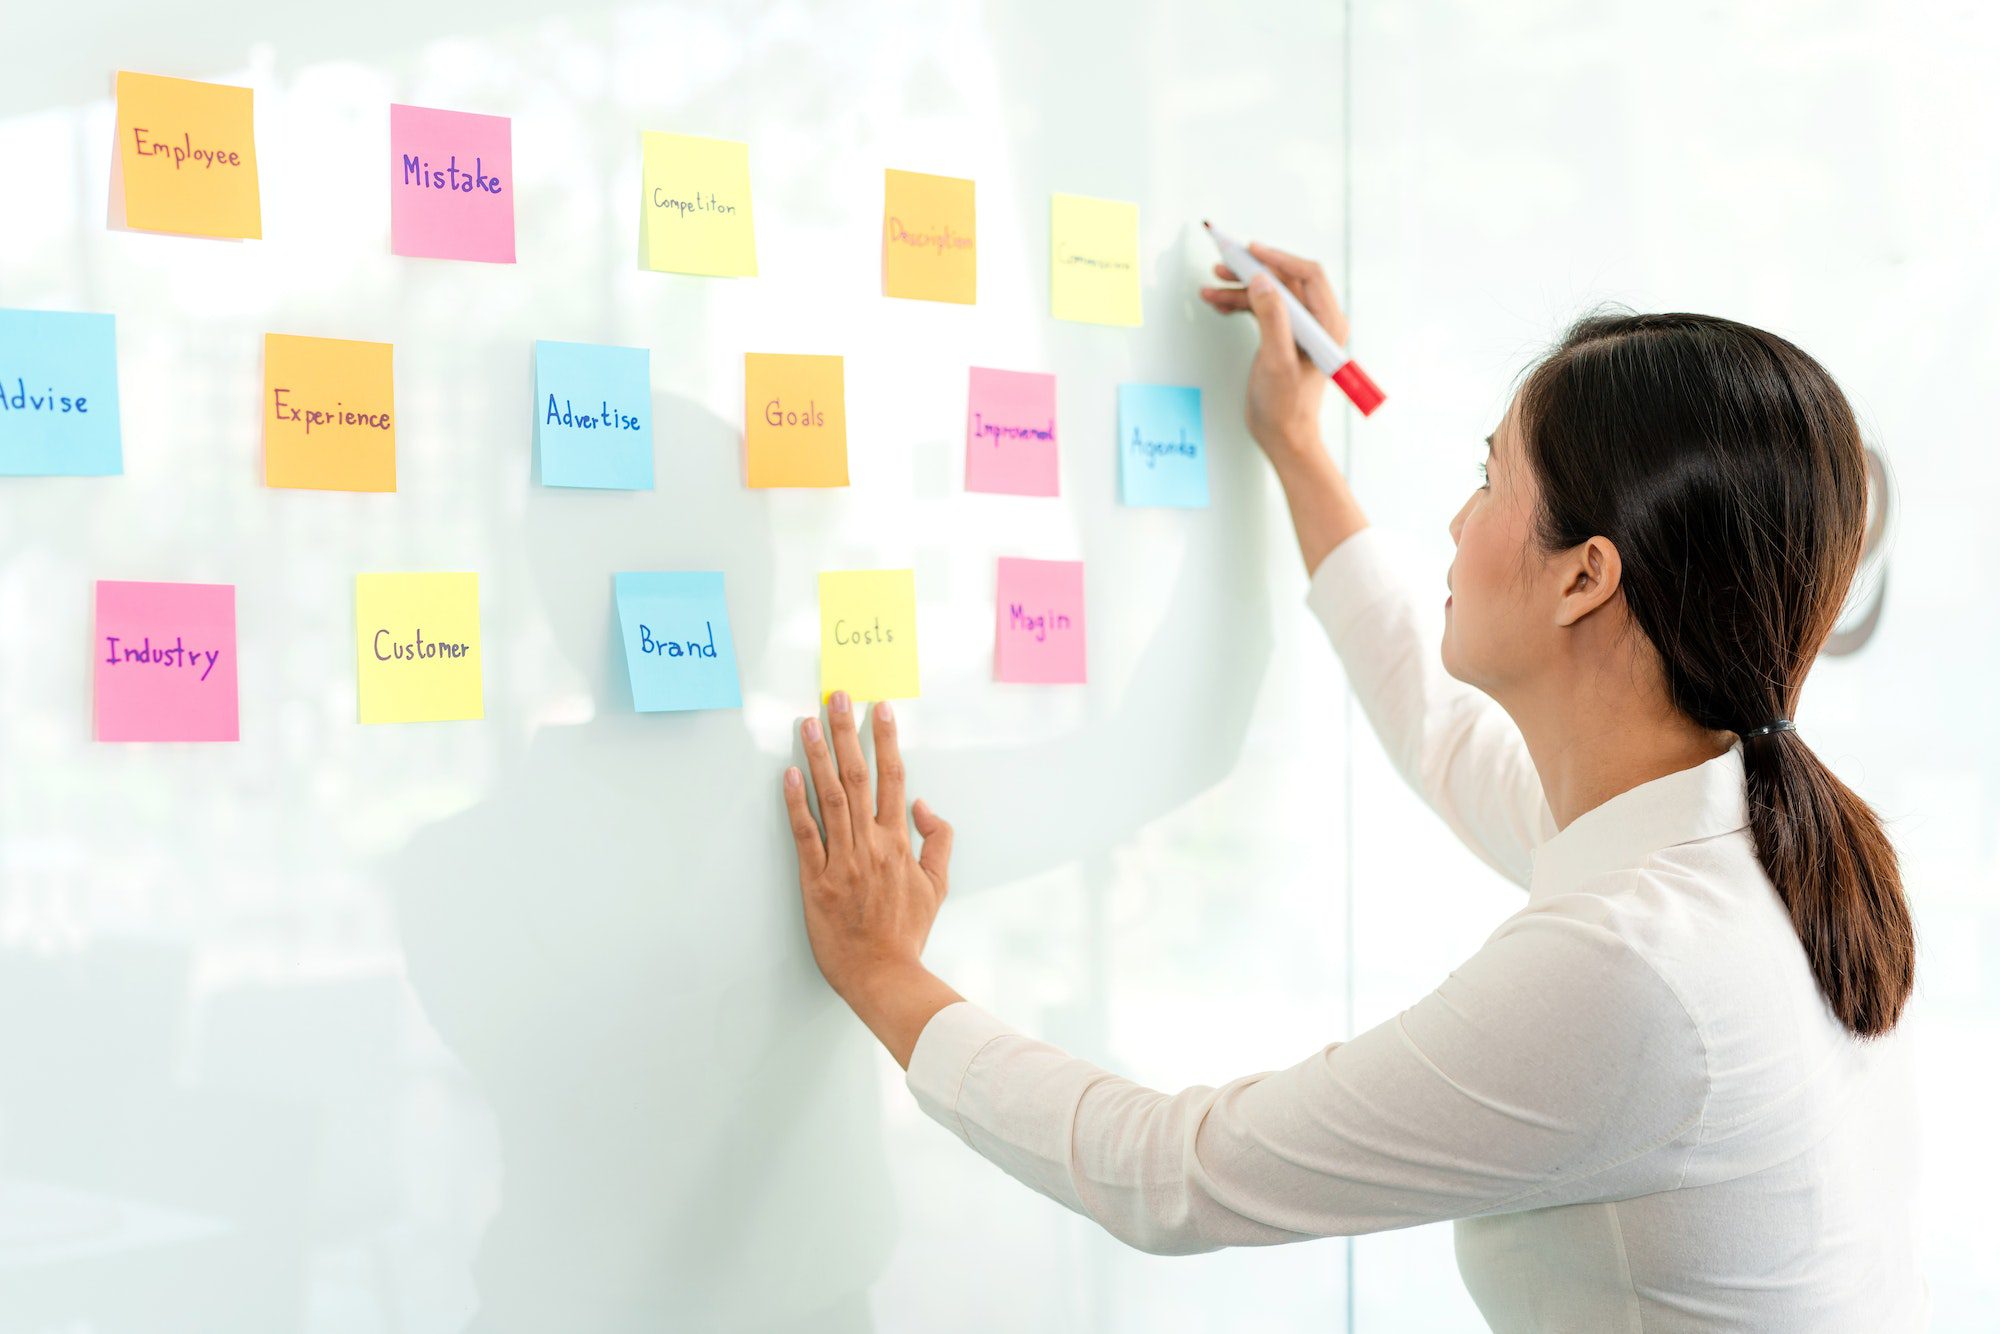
1776 725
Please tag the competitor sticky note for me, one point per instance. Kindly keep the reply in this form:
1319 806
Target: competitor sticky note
187 158
1039 635
678 650
417 647
868 633
165 662
1093 260
795 419
593 416
329 414
58 394
929 241
451 184
1010 433
1162 454
694 209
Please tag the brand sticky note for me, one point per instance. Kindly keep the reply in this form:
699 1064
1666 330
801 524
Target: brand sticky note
678 651
451 184
593 416
1039 635
795 420
187 158
417 647
329 414
165 662
929 238
1093 260
694 208
58 394
1010 433
1162 455
868 633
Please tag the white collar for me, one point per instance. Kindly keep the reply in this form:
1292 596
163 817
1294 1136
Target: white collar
1623 832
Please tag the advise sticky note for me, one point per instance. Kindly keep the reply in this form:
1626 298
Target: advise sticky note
1093 260
451 184
694 207
1010 433
593 416
165 662
329 414
187 158
794 419
678 649
868 633
58 394
929 242
1039 635
417 647
1162 454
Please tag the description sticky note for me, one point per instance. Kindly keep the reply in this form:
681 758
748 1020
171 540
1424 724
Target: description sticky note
1162 454
417 647
1093 260
678 651
929 242
593 416
1010 433
694 210
1039 635
451 184
329 414
868 633
58 394
794 419
165 662
187 158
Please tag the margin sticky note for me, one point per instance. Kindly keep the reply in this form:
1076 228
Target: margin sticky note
165 662
1093 260
868 633
1038 637
678 650
451 184
187 158
1162 453
417 647
694 207
1010 433
329 414
593 416
58 394
929 241
794 419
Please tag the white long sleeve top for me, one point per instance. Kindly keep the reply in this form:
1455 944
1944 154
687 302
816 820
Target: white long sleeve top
1632 1098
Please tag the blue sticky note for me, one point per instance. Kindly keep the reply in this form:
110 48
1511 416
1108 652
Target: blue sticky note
677 646
593 416
58 394
1162 454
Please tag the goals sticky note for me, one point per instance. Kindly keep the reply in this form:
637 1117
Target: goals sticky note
1162 454
451 184
165 662
329 414
678 650
417 647
929 247
694 209
868 633
593 416
1010 433
58 394
1093 260
794 419
1039 635
187 158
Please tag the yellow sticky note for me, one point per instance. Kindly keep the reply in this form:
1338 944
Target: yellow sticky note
417 646
868 633
329 414
1093 260
694 210
794 420
929 249
187 157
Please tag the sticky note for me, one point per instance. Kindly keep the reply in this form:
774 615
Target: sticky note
417 647
1162 456
868 633
929 249
694 209
187 158
451 184
329 414
1093 260
1039 635
1010 433
794 419
678 651
165 662
593 416
58 394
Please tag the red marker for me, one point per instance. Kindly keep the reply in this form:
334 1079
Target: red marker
1314 341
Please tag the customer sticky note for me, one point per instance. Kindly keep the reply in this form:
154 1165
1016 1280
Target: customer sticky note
329 414
795 420
678 651
929 247
451 184
1162 457
694 210
1010 433
593 416
417 647
868 633
58 394
187 158
165 662
1093 260
1039 635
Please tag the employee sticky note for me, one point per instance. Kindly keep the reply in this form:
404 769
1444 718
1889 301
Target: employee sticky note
58 394
593 416
678 651
929 249
1010 433
451 184
417 647
694 210
1039 635
165 662
187 158
794 419
1093 260
329 414
868 633
1162 456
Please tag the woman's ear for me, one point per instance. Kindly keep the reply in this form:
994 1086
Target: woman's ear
1590 575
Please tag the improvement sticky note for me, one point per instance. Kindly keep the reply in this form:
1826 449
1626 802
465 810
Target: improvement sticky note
694 209
678 650
868 633
1162 456
417 647
1010 433
451 184
329 414
58 394
794 419
928 238
165 662
1093 260
1039 635
187 158
593 416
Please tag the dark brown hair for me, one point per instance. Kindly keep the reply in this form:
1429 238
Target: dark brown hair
1727 468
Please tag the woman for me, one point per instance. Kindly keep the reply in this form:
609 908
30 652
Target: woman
1662 1096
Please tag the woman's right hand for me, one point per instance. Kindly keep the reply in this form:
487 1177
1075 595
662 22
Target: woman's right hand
1282 404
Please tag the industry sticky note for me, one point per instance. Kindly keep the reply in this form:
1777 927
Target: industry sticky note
593 416
187 158
58 394
929 238
165 662
451 184
1162 454
795 420
1010 433
1093 260
694 213
329 414
417 647
678 650
1039 635
868 633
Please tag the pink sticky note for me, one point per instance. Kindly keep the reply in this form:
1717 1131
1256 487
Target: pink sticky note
1039 638
165 661
451 184
1010 433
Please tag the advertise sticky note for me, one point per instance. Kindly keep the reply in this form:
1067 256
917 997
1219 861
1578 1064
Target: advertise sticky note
58 394
795 419
1010 433
593 416
451 184
929 249
678 651
1039 635
1093 260
694 209
165 662
868 633
329 414
1162 455
187 158
417 647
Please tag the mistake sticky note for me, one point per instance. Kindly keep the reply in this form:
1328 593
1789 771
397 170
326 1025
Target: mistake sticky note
868 633
593 416
1039 635
58 394
451 184
929 249
1162 455
1010 433
678 650
1093 260
165 662
417 647
694 209
187 158
329 414
794 419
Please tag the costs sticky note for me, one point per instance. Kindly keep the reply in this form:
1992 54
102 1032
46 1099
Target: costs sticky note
165 666
451 184
329 414
1093 260
694 207
417 647
1010 433
1039 635
868 633
929 242
678 650
795 419
187 158
1162 454
58 394
593 416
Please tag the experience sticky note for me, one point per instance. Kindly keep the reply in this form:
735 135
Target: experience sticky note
694 209
868 633
451 184
165 662
1010 433
329 414
794 419
929 249
1162 455
593 416
1093 260
1039 635
678 650
187 158
58 394
417 647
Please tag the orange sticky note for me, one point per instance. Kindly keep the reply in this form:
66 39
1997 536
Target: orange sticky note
187 158
329 414
795 420
928 243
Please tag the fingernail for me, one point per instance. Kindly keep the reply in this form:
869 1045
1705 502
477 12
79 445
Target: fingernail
812 729
885 711
839 701
792 778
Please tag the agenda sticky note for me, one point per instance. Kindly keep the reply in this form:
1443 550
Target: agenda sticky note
1010 433
329 414
1162 453
451 184
593 416
417 647
1038 637
58 394
794 420
187 158
868 633
164 662
929 238
678 650
1093 260
694 208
